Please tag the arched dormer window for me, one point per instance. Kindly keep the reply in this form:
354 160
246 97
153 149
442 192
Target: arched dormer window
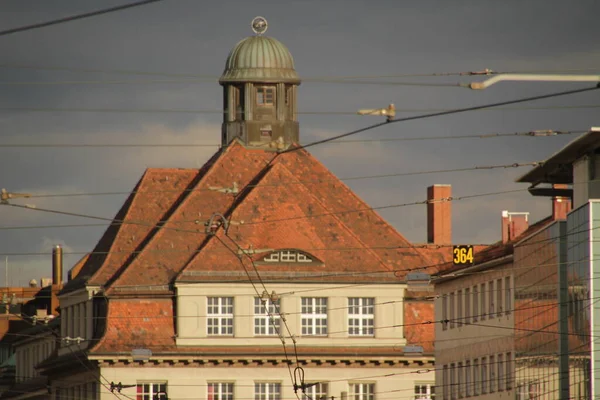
289 256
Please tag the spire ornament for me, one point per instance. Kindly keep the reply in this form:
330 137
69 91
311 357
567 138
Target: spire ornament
259 25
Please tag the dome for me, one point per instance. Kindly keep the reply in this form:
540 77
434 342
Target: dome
260 59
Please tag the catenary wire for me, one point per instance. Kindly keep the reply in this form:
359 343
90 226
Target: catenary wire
483 72
76 17
531 134
443 113
300 182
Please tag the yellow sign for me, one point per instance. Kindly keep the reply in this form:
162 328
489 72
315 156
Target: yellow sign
463 255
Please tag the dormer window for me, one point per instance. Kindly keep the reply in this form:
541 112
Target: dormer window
265 96
289 256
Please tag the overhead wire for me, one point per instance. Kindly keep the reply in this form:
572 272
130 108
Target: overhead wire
76 17
443 113
530 134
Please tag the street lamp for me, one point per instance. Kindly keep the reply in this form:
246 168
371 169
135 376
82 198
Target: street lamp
533 78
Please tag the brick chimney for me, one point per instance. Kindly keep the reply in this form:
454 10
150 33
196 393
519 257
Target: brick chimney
513 224
439 214
560 205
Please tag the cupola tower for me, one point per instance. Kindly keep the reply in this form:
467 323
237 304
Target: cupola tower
259 92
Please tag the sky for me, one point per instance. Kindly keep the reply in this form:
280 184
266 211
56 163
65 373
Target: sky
185 44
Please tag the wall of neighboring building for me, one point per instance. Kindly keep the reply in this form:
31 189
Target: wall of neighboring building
583 241
183 382
475 350
77 320
537 267
31 352
378 309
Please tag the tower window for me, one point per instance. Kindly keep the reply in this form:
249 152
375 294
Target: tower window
265 96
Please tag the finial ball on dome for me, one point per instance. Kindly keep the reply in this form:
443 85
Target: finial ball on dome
259 25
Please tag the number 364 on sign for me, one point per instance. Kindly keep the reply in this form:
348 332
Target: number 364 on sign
462 255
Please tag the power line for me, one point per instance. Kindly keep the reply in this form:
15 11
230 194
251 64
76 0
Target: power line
307 79
442 113
75 17
258 185
530 134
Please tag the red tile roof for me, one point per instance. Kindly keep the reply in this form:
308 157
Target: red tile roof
286 201
317 213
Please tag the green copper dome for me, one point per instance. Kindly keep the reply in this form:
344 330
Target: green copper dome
260 59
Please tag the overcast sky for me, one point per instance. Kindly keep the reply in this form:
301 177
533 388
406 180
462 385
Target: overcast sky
327 39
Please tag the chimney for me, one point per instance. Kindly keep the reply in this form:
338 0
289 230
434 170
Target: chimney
439 214
513 224
57 265
560 205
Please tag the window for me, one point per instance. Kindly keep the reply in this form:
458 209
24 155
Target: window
467 306
444 312
265 324
316 392
424 391
361 316
508 371
468 379
482 301
491 299
484 377
492 377
265 96
220 316
314 316
459 308
362 391
500 372
219 391
267 391
507 296
475 304
459 381
147 391
452 382
476 377
499 296
445 383
287 256
452 316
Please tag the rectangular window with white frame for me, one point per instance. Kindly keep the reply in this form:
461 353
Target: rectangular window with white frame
267 320
507 296
317 391
452 315
467 306
361 316
459 308
444 312
362 391
219 314
491 310
499 293
424 391
314 316
219 391
445 383
267 391
151 391
476 377
492 368
482 302
475 304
